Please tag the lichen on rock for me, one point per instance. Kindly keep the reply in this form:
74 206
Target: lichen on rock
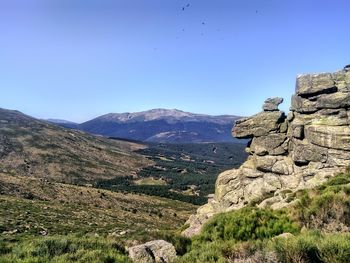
287 152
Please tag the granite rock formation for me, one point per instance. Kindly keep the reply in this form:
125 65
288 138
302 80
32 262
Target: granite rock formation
287 152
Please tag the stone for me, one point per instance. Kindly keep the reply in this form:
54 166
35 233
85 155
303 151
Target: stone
271 104
313 84
302 105
283 127
264 163
268 144
284 236
298 131
287 153
304 153
334 101
158 251
290 116
284 166
258 125
334 137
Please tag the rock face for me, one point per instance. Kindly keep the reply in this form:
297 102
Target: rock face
287 153
158 251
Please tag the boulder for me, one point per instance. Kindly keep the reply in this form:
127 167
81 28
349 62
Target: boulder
158 251
270 144
258 125
271 104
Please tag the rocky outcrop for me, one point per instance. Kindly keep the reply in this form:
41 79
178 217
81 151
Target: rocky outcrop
287 152
158 251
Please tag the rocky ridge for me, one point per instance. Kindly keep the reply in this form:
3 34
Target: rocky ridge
287 152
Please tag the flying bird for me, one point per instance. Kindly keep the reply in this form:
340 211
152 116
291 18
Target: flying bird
186 6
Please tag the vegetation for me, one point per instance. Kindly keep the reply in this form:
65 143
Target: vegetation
34 208
64 249
252 234
185 172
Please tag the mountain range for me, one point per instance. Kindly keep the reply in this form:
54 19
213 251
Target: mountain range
160 125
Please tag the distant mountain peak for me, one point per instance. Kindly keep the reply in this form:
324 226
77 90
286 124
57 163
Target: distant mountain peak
162 114
163 125
60 121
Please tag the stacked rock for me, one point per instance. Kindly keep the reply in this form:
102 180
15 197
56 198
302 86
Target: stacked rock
287 153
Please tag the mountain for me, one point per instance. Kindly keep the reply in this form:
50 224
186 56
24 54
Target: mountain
163 125
64 123
35 148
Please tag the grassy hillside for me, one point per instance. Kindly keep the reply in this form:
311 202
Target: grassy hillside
29 147
318 227
41 221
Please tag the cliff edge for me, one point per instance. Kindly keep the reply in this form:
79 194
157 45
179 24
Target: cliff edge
287 152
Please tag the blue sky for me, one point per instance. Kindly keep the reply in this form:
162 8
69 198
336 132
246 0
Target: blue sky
77 59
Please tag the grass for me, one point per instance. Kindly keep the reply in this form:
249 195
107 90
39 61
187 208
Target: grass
36 207
250 234
64 249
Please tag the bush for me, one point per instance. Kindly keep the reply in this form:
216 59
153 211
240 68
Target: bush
327 207
67 249
247 224
182 244
313 247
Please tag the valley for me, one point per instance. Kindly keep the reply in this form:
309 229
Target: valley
59 182
185 172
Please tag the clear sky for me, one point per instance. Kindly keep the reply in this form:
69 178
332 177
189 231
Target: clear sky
77 59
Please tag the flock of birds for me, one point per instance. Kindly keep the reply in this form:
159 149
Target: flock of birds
203 23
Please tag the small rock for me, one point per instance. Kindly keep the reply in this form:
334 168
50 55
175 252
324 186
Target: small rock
284 235
158 251
271 104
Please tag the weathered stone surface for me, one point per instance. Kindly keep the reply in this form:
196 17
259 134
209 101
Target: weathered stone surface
264 163
271 104
289 153
304 152
335 137
298 131
158 251
332 120
302 105
260 124
313 84
334 101
270 144
284 166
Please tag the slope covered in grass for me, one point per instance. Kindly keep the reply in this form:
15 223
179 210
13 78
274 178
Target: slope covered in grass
315 229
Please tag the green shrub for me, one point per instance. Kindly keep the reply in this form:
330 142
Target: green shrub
67 249
334 248
313 247
247 224
52 247
325 205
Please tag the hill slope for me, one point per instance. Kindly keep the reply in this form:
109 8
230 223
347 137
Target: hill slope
162 125
29 147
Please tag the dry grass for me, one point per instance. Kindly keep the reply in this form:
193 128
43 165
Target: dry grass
34 207
38 149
